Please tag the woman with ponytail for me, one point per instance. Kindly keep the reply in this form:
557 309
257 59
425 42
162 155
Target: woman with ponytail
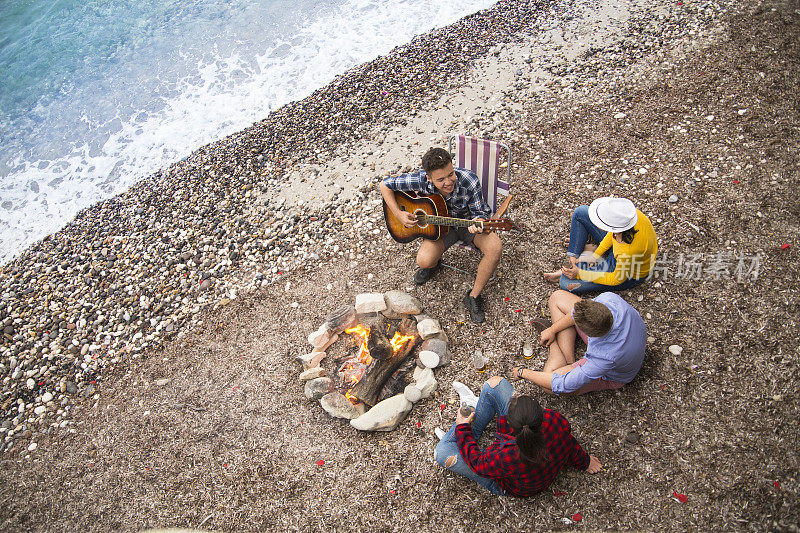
531 446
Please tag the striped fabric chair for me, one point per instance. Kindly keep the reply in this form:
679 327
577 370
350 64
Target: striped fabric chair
485 158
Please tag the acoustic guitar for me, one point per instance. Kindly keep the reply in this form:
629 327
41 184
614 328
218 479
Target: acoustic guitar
432 220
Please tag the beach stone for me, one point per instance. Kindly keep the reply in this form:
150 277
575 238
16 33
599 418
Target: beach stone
370 302
412 393
428 328
317 388
385 415
321 337
163 381
439 346
340 319
632 437
673 199
39 409
675 349
426 382
311 359
312 373
338 406
429 359
30 383
620 115
71 388
46 397
402 303
32 446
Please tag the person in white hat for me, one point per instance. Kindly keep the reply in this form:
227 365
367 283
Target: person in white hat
625 253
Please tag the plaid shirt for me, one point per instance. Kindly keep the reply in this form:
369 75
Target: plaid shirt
501 460
466 200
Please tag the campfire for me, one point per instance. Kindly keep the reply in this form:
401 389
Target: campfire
374 379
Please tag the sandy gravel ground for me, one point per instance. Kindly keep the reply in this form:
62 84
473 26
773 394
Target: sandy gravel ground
231 442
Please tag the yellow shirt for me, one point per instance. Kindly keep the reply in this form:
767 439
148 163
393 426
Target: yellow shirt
634 260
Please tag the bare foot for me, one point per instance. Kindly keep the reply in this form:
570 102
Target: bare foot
552 276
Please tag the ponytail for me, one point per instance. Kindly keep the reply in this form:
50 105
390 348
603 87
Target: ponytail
525 417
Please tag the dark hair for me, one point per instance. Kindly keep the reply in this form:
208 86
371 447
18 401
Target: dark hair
435 158
627 235
525 417
593 318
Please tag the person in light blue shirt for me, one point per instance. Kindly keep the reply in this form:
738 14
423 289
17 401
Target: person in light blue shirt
615 337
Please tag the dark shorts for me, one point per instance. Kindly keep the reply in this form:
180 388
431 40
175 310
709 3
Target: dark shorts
457 234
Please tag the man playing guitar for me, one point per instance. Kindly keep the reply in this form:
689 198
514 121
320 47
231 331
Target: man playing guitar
461 190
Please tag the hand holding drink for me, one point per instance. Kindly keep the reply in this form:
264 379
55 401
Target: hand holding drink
465 414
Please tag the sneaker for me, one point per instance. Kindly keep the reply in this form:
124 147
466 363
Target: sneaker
439 433
422 275
475 308
465 395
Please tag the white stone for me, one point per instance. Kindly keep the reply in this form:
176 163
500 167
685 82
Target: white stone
675 349
311 359
435 344
429 359
384 416
412 393
30 383
338 406
162 382
620 115
429 328
426 382
39 409
32 446
320 337
402 303
46 397
370 302
312 373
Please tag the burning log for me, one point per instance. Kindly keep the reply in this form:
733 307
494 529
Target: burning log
385 361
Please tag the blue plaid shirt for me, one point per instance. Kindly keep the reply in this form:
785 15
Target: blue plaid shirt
466 200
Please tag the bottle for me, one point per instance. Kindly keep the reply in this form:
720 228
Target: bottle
527 349
479 361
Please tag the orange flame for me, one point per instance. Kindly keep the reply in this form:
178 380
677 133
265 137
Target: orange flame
360 335
399 340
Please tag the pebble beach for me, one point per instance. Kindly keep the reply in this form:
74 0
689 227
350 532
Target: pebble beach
296 192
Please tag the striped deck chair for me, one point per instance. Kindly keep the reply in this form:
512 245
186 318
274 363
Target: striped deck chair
484 158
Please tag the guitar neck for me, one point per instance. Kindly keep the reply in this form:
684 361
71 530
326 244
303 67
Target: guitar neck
449 221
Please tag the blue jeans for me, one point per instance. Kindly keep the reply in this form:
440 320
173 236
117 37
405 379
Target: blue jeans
580 228
492 402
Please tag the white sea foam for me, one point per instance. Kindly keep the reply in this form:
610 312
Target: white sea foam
224 93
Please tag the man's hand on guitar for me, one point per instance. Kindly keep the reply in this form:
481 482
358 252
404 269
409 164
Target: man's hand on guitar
475 228
408 219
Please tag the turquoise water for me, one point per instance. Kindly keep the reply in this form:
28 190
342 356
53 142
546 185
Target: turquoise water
95 95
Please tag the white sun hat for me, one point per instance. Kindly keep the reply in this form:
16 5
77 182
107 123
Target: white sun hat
613 214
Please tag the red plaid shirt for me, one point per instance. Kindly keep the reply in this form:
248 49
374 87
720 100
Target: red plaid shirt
501 460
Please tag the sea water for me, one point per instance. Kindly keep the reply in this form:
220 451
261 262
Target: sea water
97 94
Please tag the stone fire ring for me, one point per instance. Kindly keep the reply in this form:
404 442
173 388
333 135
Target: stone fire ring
389 413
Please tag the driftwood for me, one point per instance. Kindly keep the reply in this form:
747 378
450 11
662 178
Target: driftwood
384 362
